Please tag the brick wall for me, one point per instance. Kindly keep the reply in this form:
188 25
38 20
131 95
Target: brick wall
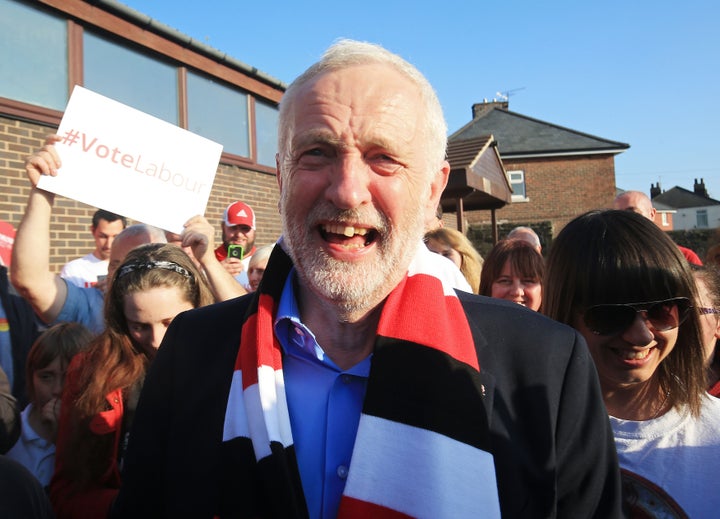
70 226
558 189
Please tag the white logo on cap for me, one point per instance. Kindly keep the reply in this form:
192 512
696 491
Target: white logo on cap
242 213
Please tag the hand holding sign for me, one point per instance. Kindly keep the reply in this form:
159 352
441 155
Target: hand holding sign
128 162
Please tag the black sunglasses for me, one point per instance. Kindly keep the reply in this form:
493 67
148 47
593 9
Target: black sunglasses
610 319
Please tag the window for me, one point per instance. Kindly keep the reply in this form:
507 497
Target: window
218 112
702 219
44 51
33 56
130 77
266 129
664 217
517 182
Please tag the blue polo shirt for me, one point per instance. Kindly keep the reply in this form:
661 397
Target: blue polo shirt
84 306
324 403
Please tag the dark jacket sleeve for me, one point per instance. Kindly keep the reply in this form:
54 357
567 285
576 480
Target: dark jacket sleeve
176 443
551 438
588 475
146 464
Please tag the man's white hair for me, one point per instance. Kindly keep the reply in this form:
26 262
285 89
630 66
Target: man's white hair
347 53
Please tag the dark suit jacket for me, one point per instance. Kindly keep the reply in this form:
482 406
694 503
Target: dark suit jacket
551 439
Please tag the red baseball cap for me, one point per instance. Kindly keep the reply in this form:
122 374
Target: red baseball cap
239 213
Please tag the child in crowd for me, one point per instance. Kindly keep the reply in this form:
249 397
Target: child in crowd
45 374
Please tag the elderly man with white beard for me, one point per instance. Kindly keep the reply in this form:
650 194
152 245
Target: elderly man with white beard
354 382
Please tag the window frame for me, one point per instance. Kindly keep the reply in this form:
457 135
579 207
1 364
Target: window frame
126 31
518 197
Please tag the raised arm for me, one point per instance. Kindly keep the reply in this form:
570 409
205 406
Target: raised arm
198 235
30 273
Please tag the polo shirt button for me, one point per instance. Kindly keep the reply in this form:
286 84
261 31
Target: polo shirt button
346 379
342 472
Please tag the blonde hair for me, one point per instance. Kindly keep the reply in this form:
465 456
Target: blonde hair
472 261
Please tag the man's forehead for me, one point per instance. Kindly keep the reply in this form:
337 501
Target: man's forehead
239 227
355 106
124 244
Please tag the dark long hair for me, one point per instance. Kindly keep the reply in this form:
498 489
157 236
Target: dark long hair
621 257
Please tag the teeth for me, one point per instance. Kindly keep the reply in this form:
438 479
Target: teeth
635 355
345 230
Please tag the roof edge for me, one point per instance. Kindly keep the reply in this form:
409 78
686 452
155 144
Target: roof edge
142 20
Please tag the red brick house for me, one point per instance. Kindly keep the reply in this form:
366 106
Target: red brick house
556 173
127 56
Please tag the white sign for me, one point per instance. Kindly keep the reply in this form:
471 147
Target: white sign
120 159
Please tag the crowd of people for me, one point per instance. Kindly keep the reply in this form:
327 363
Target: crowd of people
370 363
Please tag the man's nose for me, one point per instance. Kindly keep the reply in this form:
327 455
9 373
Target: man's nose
350 181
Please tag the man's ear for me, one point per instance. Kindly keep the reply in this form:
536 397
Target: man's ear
437 186
278 177
277 170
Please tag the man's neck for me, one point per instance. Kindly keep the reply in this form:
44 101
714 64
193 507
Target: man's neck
347 340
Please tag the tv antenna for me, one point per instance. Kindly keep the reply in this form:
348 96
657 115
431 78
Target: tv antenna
505 95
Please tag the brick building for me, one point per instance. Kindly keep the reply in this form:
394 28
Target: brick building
48 46
555 173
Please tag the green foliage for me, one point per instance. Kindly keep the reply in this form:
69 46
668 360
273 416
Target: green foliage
699 240
481 236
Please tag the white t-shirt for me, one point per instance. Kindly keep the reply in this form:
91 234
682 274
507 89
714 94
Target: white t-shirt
678 453
84 271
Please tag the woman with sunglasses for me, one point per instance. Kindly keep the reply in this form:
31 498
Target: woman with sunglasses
624 285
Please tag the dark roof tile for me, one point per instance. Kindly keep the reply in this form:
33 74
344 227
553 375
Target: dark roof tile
518 134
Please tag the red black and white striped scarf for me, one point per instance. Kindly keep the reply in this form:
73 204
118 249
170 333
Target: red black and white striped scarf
421 448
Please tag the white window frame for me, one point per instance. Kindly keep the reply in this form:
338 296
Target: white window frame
701 218
519 179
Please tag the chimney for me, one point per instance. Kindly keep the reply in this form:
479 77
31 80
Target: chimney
480 109
655 190
700 189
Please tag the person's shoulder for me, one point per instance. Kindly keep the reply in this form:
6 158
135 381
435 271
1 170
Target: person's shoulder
441 267
515 325
21 494
231 312
492 308
90 294
711 408
690 255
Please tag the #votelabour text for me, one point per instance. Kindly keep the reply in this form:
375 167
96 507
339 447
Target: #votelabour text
102 151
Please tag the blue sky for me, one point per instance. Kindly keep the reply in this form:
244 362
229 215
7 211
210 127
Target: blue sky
645 73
